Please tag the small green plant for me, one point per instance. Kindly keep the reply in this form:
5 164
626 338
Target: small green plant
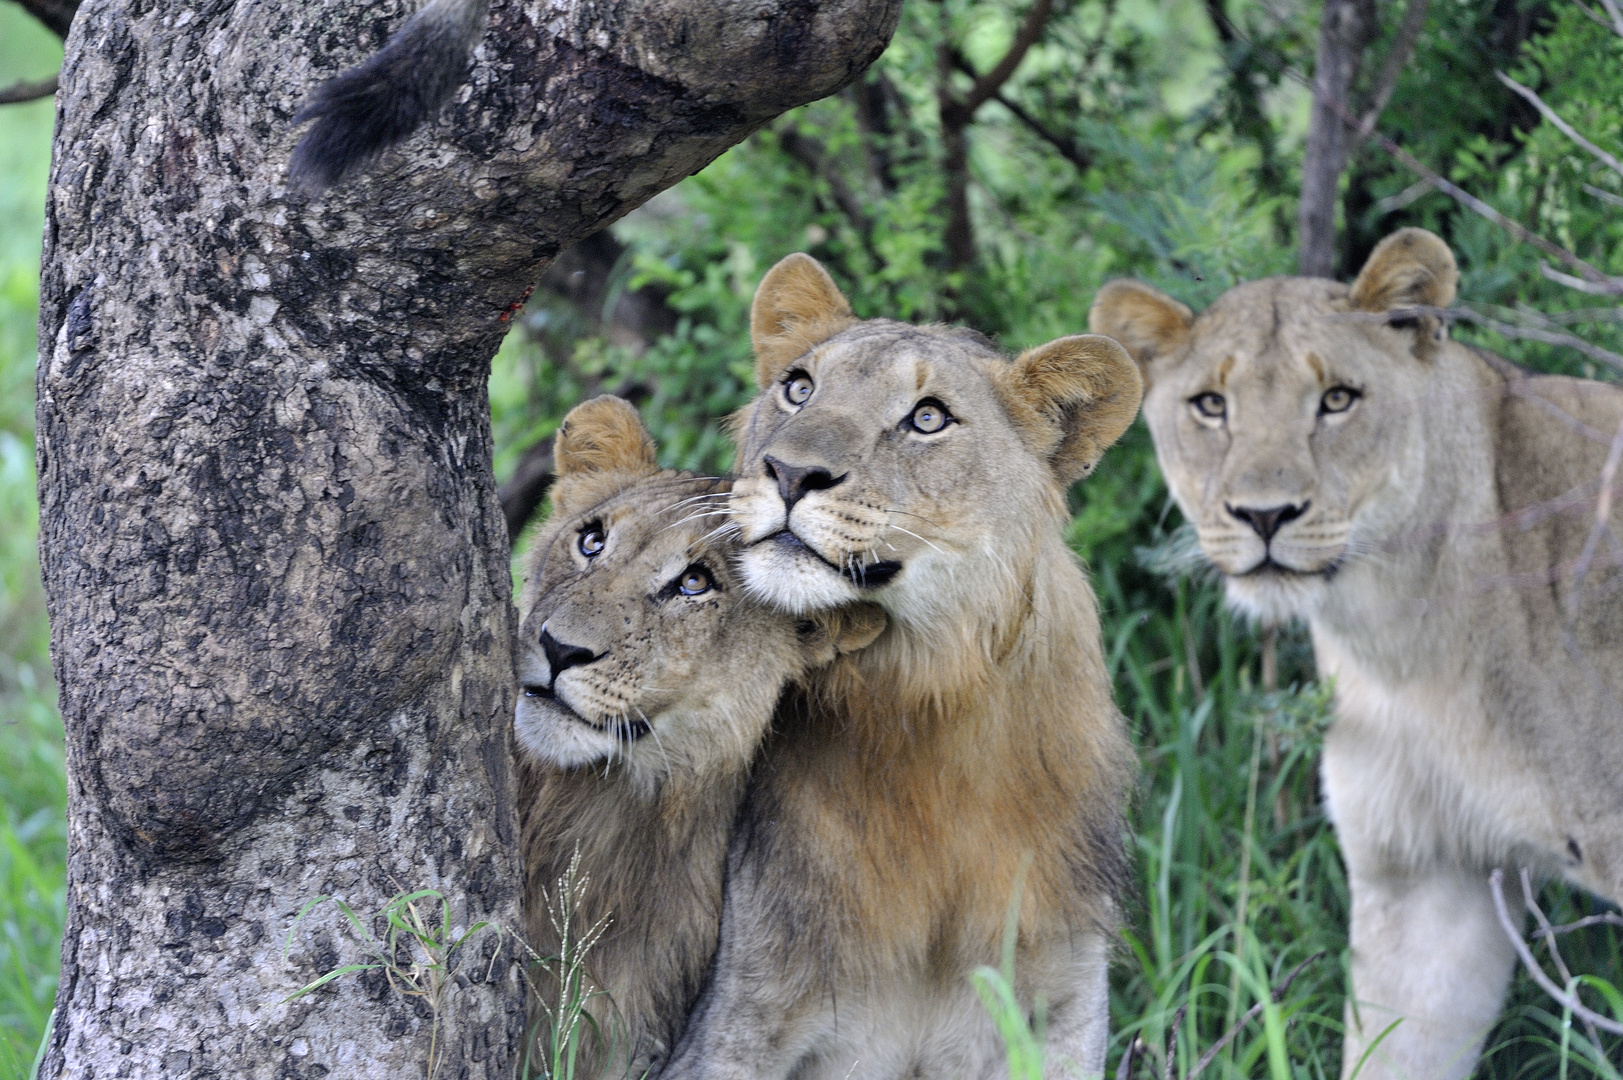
417 953
553 1049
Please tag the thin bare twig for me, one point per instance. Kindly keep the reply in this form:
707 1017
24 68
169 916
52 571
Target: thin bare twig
1615 14
1465 198
1604 195
1579 315
1251 1014
1609 287
1496 884
1124 1070
1527 333
1393 203
1605 918
1515 228
27 90
1548 934
1172 1041
1532 98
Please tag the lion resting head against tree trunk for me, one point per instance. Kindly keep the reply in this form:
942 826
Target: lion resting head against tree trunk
1431 511
647 678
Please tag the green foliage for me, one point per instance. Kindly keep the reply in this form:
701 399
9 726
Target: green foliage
32 789
417 952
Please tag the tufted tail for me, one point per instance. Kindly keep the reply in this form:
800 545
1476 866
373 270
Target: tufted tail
363 111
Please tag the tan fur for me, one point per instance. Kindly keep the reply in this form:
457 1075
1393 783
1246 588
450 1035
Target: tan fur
1479 682
974 745
601 443
1410 268
796 305
649 816
1145 321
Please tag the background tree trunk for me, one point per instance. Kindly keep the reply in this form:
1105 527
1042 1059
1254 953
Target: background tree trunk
274 557
1346 28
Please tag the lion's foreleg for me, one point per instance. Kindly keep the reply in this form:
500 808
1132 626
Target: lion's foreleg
1429 954
1079 1033
749 1022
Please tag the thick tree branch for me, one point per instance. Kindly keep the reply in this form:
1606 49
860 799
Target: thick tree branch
1345 30
957 113
1068 149
1030 30
55 14
281 616
19 92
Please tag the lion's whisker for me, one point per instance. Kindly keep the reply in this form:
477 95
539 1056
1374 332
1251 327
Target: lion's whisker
915 536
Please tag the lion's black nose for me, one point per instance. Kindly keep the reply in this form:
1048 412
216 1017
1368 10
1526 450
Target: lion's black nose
795 480
561 657
1267 522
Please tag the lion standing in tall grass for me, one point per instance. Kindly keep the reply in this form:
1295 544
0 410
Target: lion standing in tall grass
1437 516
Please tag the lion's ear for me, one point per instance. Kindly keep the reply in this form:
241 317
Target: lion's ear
1410 268
797 305
1072 398
600 438
1147 322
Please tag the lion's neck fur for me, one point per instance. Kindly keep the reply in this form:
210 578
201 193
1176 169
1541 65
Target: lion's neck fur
652 857
946 754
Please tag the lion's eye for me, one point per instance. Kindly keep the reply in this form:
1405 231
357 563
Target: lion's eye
798 388
695 581
1338 399
929 416
1210 405
591 540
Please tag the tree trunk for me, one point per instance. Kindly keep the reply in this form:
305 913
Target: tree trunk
274 558
1346 28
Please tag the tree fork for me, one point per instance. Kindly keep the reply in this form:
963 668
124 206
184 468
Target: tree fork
274 558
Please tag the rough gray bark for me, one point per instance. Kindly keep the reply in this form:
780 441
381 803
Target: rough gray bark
1346 28
273 553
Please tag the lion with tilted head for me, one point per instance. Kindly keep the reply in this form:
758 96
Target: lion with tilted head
647 679
971 754
1437 516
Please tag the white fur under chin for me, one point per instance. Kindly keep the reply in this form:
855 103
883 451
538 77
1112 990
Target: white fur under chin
1273 598
547 733
794 581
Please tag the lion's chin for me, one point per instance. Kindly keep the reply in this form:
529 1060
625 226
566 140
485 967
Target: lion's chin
782 572
1274 595
549 730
